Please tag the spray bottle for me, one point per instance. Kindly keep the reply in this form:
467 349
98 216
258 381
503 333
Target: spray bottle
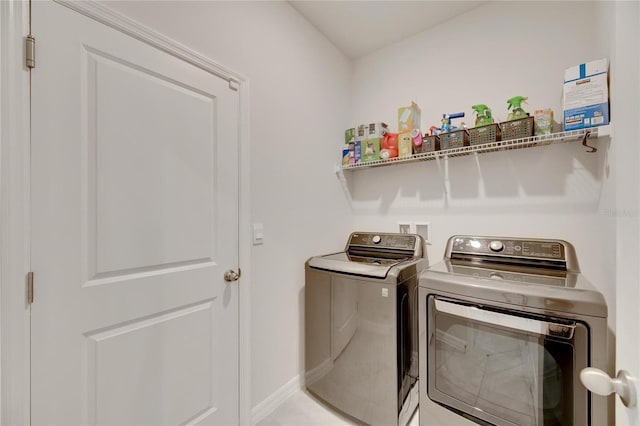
514 105
446 121
483 115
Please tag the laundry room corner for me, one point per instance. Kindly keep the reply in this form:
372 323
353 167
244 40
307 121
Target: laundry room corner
181 176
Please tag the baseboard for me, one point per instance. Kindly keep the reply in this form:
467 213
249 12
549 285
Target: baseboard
273 401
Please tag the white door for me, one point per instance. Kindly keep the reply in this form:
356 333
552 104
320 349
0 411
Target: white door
134 222
628 189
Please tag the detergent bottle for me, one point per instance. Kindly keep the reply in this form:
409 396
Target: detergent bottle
389 146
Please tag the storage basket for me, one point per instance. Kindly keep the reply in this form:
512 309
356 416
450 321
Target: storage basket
455 139
484 134
516 129
429 143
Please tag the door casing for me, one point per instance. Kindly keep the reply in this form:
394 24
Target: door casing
15 195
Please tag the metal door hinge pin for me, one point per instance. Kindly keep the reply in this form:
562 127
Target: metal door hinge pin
30 288
30 51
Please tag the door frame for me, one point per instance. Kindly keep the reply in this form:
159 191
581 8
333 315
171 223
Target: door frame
15 212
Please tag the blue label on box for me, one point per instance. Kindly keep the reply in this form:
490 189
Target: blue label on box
358 151
590 116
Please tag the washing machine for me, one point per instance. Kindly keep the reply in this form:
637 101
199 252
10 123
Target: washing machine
505 327
361 330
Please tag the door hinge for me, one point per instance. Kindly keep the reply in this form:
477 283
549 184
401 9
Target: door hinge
234 84
30 288
30 42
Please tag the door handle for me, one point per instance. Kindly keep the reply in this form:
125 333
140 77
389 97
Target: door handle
599 382
230 275
545 328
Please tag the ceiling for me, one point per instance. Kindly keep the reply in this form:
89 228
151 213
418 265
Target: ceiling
358 28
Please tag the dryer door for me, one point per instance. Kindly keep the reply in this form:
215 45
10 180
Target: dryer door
506 367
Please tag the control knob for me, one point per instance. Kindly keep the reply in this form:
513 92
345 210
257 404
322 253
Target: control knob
376 239
496 246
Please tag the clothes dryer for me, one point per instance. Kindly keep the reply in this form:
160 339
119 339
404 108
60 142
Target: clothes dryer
506 326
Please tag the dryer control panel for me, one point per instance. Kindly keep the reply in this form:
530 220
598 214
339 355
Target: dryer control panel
530 252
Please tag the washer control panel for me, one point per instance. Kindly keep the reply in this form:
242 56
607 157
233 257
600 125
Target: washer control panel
382 240
498 246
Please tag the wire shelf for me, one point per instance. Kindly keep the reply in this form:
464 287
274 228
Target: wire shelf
529 142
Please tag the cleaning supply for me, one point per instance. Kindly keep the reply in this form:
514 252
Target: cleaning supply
514 104
543 122
408 118
405 144
389 146
376 130
350 135
370 150
483 115
446 121
416 137
585 95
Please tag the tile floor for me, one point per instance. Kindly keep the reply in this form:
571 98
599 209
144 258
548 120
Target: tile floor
302 409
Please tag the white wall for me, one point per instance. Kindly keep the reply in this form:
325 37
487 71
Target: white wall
299 105
488 55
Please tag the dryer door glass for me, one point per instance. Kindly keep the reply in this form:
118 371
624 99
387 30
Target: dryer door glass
506 368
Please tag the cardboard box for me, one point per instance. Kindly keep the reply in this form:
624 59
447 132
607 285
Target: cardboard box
345 155
376 130
543 122
350 135
408 118
370 150
585 96
352 154
405 145
361 132
357 152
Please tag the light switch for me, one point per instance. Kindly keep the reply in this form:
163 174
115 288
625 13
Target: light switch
258 234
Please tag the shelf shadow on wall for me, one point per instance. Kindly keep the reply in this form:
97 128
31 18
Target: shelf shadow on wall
556 178
381 189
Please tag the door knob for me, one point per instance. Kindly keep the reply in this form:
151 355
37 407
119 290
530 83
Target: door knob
599 382
231 275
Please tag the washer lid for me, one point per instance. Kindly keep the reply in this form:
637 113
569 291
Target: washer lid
354 265
558 291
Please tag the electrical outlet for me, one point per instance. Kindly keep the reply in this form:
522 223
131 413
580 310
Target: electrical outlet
424 230
404 228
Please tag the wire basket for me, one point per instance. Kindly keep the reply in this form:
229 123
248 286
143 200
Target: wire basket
430 143
455 139
484 134
516 129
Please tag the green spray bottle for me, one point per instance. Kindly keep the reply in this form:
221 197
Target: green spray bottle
483 115
514 104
